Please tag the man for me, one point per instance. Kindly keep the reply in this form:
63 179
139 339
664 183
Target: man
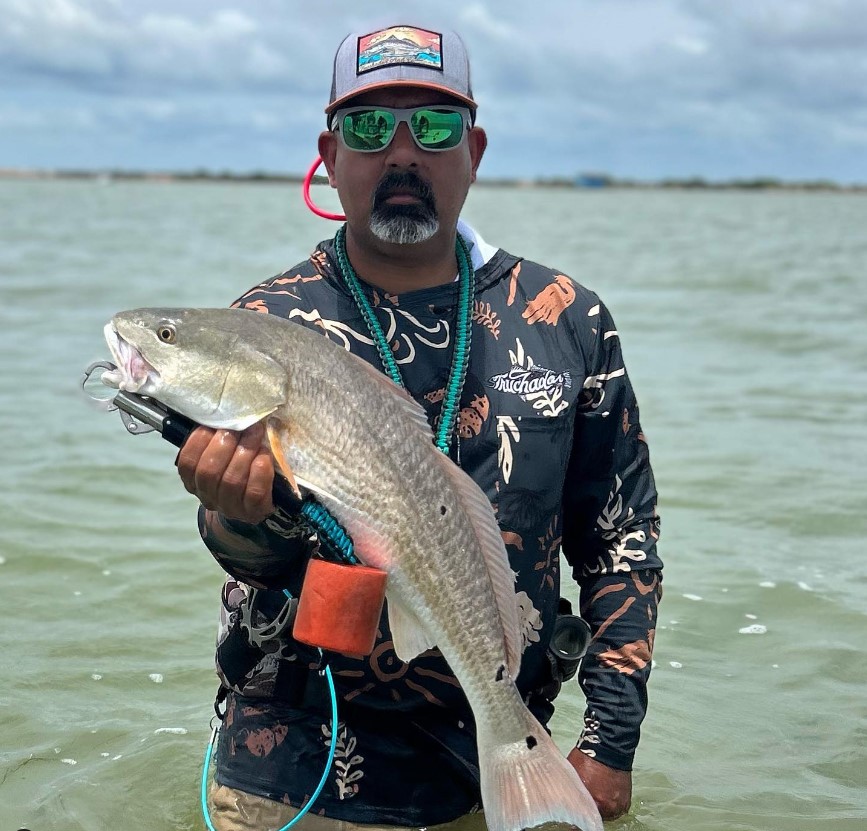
547 425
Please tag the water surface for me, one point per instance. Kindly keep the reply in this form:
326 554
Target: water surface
742 317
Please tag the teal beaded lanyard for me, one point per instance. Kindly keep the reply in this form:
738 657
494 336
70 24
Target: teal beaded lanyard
463 333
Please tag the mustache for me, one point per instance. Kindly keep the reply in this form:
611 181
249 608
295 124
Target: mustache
404 182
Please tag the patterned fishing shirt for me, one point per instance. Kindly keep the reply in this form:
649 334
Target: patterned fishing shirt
549 429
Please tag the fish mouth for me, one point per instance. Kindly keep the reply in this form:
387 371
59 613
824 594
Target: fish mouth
132 372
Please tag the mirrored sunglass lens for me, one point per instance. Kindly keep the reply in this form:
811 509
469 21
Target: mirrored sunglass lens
438 129
367 130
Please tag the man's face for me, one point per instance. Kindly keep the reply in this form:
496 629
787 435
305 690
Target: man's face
403 193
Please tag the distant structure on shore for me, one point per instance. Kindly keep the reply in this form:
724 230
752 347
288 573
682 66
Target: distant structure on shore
587 181
593 180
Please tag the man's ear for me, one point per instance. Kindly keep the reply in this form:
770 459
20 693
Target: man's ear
328 153
478 141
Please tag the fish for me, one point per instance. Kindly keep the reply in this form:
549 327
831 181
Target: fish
342 430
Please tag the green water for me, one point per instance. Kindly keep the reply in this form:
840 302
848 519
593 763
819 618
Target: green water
744 321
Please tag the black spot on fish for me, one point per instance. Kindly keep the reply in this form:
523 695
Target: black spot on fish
500 673
531 742
443 509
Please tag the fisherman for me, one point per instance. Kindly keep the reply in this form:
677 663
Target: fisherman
545 421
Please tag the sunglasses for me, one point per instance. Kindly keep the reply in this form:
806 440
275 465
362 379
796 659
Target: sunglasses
369 129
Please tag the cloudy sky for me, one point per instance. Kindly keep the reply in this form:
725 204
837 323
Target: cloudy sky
636 88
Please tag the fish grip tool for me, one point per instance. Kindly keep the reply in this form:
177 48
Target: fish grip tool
141 414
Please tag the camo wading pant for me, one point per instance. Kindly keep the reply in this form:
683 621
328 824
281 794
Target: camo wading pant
234 810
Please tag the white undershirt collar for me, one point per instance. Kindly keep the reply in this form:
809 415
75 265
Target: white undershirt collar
480 251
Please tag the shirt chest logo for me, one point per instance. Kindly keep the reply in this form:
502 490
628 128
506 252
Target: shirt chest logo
525 382
536 384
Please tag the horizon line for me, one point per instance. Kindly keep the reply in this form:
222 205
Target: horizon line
581 180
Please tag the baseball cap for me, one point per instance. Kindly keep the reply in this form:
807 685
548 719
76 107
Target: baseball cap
401 56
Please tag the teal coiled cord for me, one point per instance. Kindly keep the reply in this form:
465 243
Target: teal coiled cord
331 751
339 541
329 528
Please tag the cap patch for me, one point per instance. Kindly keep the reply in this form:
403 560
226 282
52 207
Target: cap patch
404 45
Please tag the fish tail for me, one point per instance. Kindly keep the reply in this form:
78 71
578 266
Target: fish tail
530 782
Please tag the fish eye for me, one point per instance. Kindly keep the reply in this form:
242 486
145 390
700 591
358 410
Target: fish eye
166 332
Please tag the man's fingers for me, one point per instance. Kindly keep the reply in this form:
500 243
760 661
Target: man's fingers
211 469
242 488
190 453
229 472
258 502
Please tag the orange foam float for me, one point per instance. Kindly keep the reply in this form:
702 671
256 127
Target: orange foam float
339 607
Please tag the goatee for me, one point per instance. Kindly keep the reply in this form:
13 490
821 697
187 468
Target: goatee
403 224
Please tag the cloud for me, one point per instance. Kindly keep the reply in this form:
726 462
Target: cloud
745 86
638 87
801 55
479 18
787 24
95 43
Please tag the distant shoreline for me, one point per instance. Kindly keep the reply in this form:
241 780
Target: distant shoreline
580 182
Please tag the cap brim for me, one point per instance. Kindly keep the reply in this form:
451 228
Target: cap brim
395 83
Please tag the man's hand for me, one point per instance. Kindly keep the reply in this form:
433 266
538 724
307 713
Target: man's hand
611 789
229 472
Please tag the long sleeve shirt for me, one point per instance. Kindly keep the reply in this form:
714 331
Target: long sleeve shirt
549 429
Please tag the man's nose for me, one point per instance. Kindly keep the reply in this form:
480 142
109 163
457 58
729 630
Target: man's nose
403 151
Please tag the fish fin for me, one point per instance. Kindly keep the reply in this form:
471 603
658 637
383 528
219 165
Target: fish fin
409 636
276 431
411 407
277 438
226 421
487 532
319 492
530 782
